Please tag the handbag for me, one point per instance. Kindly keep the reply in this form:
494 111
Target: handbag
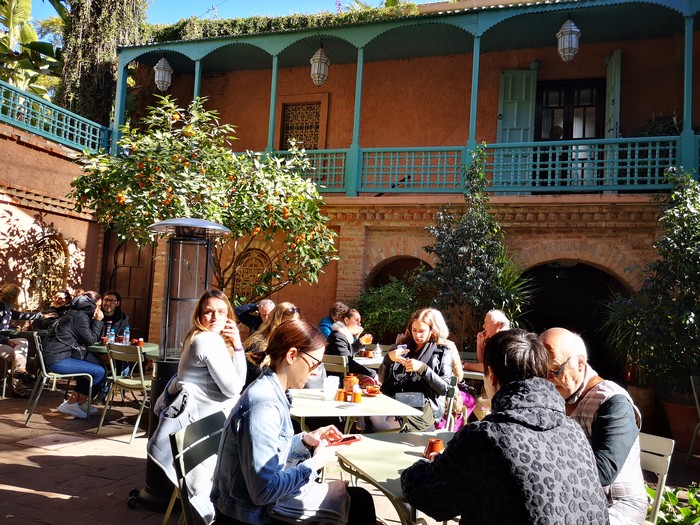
412 399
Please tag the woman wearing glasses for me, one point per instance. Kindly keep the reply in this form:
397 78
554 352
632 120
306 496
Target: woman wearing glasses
266 473
210 377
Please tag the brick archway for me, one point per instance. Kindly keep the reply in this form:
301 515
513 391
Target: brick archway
380 249
604 256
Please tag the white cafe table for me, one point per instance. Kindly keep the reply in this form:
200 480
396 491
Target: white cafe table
309 402
470 374
379 460
369 362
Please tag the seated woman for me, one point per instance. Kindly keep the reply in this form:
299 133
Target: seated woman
267 474
14 349
424 368
64 351
343 341
256 344
210 378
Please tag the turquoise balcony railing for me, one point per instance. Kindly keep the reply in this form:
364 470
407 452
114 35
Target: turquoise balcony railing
580 166
584 166
30 113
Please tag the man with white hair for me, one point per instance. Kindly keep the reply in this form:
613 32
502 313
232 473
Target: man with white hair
494 321
253 315
609 419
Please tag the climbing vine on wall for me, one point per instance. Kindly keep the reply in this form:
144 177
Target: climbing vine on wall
94 30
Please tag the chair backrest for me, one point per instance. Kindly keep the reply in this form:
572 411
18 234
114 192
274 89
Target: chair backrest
39 353
695 382
129 354
470 357
336 363
656 457
192 445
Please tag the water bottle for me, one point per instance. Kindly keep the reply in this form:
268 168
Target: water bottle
111 337
127 336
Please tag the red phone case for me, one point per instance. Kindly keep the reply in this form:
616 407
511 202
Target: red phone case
345 441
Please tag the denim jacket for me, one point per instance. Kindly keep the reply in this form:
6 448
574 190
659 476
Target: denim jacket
260 460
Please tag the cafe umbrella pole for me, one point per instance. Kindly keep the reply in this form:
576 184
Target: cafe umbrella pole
189 269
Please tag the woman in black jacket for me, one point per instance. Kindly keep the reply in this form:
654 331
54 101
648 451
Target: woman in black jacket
65 351
343 341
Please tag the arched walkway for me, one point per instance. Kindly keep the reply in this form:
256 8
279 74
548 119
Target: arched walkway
569 294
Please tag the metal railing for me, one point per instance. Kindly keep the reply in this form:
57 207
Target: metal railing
584 166
31 113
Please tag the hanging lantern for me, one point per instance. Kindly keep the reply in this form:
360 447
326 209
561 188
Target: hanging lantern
567 41
319 66
164 74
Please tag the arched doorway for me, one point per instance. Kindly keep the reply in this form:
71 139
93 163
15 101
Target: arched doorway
569 295
394 267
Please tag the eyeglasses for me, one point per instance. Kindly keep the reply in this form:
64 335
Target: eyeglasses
317 362
552 375
294 310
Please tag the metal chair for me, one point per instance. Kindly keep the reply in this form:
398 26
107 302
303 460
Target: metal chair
336 363
44 375
451 393
6 365
655 457
191 446
695 382
129 383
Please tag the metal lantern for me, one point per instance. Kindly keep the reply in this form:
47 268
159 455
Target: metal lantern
319 66
164 74
567 41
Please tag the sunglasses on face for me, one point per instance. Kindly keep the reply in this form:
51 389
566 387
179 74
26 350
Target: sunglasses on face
294 310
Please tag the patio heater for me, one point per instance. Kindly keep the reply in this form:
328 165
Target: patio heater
188 275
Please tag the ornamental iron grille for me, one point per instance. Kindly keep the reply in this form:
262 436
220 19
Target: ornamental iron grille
252 264
301 122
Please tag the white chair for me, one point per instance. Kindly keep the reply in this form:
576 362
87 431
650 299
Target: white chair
336 363
695 382
656 457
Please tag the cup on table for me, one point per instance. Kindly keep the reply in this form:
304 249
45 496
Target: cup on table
366 339
330 387
340 394
104 340
433 448
357 397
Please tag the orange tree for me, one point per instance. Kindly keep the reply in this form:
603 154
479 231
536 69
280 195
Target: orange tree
179 163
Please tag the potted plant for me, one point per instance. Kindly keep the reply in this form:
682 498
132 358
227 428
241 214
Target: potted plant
667 307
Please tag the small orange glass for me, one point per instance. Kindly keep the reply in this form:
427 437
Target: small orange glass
357 397
433 448
340 395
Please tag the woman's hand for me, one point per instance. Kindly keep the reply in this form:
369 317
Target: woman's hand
414 365
397 355
326 434
231 332
99 314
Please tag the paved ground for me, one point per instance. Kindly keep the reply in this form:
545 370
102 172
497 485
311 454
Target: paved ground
58 471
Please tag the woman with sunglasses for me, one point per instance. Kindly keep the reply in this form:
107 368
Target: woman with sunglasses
266 473
256 344
210 377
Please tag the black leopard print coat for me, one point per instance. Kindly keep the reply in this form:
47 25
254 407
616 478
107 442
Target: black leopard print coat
526 463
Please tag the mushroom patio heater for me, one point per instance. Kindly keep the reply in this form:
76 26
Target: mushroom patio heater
188 275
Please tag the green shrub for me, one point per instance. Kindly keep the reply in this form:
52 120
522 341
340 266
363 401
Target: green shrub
675 511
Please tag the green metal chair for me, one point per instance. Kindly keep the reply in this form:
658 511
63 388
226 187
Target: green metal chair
135 382
44 375
191 446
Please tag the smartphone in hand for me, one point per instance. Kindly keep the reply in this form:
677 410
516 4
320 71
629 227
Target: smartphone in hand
344 441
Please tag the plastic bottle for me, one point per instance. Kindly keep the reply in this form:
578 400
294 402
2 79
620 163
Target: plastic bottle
111 336
127 336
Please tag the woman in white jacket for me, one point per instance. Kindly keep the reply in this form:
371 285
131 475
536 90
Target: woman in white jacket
210 378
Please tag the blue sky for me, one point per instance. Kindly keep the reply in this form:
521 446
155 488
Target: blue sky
170 11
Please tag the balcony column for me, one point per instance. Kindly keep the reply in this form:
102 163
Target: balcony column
471 141
119 103
688 153
353 165
197 78
273 104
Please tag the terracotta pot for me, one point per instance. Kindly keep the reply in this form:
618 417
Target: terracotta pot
682 420
643 397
